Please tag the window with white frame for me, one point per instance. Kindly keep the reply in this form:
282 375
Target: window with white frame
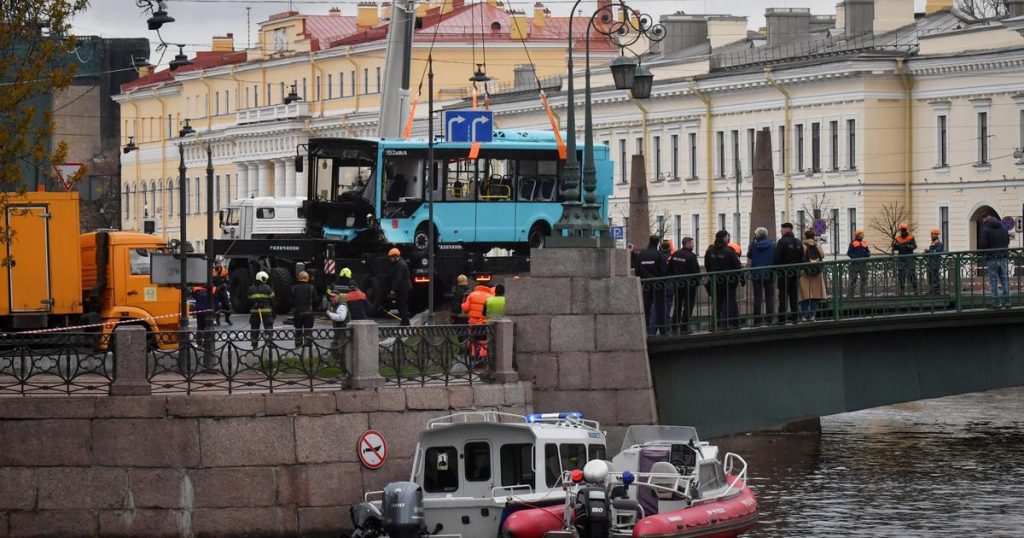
799 144
944 224
675 156
816 147
851 144
622 161
782 149
695 229
751 141
982 137
833 128
737 168
656 142
693 156
851 217
721 153
942 135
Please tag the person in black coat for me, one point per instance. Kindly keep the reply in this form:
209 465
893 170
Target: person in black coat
684 262
788 251
303 296
718 258
996 239
651 264
401 284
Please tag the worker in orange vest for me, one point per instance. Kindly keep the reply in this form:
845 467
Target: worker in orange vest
474 303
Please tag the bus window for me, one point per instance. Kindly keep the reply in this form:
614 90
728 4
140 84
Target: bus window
402 173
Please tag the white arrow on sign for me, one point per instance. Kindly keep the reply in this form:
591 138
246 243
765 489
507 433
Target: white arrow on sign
453 121
476 121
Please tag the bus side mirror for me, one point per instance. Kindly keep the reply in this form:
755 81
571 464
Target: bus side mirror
298 163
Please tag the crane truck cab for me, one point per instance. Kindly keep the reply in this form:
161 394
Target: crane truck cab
263 218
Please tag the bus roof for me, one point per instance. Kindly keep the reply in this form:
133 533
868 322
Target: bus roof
503 139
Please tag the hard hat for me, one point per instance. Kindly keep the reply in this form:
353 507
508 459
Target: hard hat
936 231
345 272
303 276
858 232
462 280
904 226
394 252
262 276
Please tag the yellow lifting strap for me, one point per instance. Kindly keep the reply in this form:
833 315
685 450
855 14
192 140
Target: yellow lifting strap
412 114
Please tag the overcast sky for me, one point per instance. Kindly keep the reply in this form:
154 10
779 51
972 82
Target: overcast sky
196 21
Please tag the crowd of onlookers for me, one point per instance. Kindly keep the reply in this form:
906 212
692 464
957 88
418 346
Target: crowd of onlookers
799 290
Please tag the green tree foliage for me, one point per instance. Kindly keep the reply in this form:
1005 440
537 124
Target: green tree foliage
34 44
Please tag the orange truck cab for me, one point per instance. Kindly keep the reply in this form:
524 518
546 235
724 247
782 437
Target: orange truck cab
54 277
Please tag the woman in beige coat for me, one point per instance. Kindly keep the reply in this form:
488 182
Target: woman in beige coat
812 281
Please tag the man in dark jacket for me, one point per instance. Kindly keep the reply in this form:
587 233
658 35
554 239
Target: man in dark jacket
906 269
261 307
858 252
651 264
221 301
935 262
761 253
303 295
788 251
995 239
401 284
684 262
718 258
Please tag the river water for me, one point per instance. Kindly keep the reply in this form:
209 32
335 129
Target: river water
946 467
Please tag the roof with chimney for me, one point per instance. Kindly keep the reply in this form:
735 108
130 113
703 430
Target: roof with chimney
202 60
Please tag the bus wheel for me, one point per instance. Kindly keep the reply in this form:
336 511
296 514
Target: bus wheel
538 233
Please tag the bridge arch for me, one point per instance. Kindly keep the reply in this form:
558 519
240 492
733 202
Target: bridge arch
975 221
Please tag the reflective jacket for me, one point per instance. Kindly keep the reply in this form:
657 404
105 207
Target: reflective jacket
475 302
858 249
494 307
904 245
261 298
357 306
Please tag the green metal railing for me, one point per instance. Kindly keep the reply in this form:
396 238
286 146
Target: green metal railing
917 284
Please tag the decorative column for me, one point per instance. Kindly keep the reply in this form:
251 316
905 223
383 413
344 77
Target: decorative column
279 178
289 178
242 180
300 183
266 181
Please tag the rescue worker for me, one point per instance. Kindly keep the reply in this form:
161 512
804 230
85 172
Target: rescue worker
344 280
358 306
303 296
261 307
651 264
459 292
339 314
221 300
494 306
719 257
858 252
935 262
995 238
684 262
761 253
401 284
204 323
788 251
906 270
475 302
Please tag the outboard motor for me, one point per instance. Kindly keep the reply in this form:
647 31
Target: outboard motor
402 510
592 512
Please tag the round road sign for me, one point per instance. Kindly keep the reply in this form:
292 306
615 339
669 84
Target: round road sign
372 449
1009 223
820 226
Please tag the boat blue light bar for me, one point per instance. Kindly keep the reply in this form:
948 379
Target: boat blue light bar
533 418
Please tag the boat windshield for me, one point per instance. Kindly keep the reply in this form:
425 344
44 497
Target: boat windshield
639 435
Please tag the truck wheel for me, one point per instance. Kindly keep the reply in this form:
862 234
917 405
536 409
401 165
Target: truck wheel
238 284
421 239
281 282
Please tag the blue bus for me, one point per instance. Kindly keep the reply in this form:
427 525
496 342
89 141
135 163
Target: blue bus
365 192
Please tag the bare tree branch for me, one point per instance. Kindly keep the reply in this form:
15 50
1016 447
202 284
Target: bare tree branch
887 225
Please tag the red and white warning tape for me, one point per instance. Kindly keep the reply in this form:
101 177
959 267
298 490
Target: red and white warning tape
110 324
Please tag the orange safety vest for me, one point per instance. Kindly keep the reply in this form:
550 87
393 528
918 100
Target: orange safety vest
474 304
901 239
858 244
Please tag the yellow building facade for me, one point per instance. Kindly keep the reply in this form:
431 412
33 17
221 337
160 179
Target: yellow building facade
866 111
235 99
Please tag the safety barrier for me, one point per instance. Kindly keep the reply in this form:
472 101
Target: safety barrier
437 354
55 364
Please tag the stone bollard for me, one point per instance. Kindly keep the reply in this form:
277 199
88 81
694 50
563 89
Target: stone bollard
364 355
503 352
130 362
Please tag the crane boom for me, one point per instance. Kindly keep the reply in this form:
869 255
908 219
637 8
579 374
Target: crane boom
396 96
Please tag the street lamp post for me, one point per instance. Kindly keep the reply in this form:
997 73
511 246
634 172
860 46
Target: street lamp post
182 201
581 224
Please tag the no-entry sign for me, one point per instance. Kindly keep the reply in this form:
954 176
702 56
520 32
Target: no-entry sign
372 449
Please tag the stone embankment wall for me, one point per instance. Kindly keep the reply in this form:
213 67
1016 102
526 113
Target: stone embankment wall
219 465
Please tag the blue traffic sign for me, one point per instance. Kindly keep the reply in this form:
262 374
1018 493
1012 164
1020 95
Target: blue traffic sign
618 232
820 226
468 125
1009 223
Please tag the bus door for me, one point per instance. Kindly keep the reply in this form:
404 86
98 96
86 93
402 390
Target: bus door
456 215
496 205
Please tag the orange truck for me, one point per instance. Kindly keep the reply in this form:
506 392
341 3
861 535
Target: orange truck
52 276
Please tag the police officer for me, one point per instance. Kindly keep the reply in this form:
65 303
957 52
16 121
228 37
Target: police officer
651 264
303 295
261 306
684 262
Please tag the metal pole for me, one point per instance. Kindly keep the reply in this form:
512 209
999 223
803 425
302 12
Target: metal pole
739 219
430 188
209 224
570 176
182 200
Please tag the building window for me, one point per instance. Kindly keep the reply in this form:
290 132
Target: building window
693 155
816 147
782 149
170 198
317 92
721 221
736 168
851 215
695 226
1020 129
622 161
736 221
227 189
943 136
944 224
799 142
255 96
721 153
282 91
199 197
660 220
639 146
352 81
751 137
982 137
801 222
216 192
657 157
675 156
227 101
216 103
378 79
851 144
833 128
170 126
366 80
678 231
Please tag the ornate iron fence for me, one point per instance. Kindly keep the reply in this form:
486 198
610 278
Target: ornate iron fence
58 363
441 354
248 361
837 290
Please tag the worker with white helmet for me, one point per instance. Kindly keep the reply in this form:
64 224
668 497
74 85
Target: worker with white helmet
261 306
